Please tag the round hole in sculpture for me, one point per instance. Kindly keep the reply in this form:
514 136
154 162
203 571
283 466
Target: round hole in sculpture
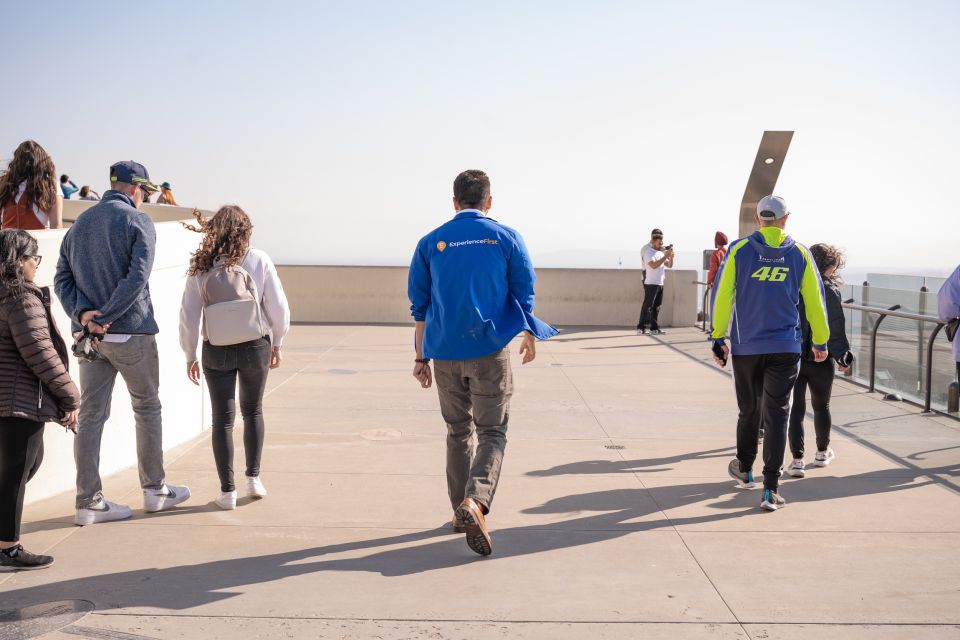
768 161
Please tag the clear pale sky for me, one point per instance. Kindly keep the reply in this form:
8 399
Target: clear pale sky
340 126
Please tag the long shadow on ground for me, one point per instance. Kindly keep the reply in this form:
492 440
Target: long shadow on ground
609 515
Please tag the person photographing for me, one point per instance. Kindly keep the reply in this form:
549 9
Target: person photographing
657 258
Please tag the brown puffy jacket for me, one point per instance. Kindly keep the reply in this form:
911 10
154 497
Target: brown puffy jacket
34 383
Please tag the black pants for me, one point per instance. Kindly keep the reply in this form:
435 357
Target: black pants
249 363
21 452
650 311
819 377
763 384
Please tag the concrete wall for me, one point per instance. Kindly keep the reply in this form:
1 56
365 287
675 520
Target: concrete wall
183 403
158 212
602 297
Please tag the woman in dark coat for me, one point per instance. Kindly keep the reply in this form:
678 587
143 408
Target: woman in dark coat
35 387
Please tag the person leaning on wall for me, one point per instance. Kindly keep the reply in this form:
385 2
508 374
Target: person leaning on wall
29 196
35 387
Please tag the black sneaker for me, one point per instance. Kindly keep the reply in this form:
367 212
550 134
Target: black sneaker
19 559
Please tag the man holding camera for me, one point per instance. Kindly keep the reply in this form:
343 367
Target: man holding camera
656 259
102 281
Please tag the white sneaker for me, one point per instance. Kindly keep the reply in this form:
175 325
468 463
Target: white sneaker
255 488
797 468
227 500
159 499
823 458
102 511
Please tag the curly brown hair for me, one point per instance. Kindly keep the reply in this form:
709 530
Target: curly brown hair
33 165
226 235
826 256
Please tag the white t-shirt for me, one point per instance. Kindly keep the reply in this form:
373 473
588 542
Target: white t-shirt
654 276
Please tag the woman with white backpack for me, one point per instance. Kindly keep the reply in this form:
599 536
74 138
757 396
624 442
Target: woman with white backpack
234 301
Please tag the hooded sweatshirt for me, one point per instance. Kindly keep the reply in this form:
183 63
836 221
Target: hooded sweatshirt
760 285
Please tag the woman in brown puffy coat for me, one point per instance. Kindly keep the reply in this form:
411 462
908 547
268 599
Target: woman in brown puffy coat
34 387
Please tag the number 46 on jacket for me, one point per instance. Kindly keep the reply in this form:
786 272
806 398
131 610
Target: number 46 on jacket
776 274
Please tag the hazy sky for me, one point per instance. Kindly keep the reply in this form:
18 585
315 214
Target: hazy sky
340 126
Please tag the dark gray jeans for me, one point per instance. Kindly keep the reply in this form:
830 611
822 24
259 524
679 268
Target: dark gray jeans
475 401
137 361
223 367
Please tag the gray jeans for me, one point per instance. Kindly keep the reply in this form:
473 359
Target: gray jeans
475 399
139 364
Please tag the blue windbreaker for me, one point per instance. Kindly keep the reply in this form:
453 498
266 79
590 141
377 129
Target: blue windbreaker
471 282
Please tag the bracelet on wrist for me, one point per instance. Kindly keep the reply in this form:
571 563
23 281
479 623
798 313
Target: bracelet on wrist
422 360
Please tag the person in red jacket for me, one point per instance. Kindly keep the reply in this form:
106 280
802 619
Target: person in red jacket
716 259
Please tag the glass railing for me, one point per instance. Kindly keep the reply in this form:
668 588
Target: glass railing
903 344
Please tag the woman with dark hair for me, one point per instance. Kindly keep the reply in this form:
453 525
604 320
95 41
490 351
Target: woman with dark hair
819 375
30 197
227 274
34 387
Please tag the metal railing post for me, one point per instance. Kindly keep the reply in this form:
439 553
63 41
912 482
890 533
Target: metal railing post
706 293
873 346
921 309
929 390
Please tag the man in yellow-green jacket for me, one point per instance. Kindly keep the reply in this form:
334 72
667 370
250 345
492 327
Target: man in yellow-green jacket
755 303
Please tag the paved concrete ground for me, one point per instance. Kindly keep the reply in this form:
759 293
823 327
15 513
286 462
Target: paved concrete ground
614 519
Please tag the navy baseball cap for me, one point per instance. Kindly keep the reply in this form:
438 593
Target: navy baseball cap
132 173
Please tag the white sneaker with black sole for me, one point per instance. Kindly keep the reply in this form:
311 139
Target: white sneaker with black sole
101 511
824 458
255 488
797 469
159 499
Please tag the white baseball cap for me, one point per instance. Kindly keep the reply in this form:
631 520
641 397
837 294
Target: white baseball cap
772 208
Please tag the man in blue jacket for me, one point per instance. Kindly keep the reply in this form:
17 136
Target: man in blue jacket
471 292
760 285
102 281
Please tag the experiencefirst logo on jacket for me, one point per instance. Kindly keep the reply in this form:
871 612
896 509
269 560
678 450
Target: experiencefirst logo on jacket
463 243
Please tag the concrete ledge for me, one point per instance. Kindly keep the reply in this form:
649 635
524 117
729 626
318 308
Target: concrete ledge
598 297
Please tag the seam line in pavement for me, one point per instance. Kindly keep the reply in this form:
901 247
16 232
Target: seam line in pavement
818 623
670 524
307 366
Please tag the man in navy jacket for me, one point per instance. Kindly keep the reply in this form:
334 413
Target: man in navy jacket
103 283
471 292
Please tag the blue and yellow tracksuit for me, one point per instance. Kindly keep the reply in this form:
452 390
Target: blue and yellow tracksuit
761 283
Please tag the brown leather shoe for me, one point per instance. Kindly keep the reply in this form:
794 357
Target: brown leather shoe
457 525
471 513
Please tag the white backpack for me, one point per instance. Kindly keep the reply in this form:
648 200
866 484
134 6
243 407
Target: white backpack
231 308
